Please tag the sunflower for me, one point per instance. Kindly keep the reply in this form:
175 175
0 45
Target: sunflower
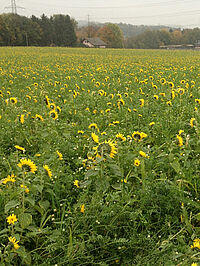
60 156
121 137
163 81
21 119
154 86
196 243
106 147
181 91
192 121
46 99
14 242
58 109
141 102
39 117
143 154
76 183
53 114
120 102
27 166
51 106
48 170
11 219
180 132
162 94
13 100
19 148
93 126
171 84
155 97
138 136
180 140
169 103
95 137
9 178
136 162
82 208
80 132
152 123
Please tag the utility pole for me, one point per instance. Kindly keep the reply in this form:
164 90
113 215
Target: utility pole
88 26
13 7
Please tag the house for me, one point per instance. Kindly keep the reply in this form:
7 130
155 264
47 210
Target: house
197 44
177 46
95 42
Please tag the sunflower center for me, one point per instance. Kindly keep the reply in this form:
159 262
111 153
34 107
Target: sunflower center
137 136
104 148
26 167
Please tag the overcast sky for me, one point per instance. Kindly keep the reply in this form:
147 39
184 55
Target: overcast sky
137 12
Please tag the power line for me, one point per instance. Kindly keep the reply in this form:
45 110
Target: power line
192 12
154 4
134 6
13 7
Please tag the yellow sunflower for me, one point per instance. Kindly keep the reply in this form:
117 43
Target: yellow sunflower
27 166
192 121
60 156
180 140
106 148
196 243
39 117
11 219
121 137
19 148
95 137
13 100
138 136
14 242
22 119
93 126
136 162
53 114
48 170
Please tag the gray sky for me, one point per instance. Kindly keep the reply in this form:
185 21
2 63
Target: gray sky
137 12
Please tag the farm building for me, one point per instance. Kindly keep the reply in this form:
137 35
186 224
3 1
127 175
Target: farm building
181 46
94 43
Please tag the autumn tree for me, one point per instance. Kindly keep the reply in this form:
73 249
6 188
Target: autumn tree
112 35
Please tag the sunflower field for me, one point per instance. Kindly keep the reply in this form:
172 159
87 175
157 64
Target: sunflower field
99 157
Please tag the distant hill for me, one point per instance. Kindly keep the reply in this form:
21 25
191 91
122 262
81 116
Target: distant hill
129 30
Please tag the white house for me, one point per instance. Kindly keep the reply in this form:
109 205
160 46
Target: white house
95 42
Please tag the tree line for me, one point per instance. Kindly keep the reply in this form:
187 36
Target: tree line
154 39
58 30
61 30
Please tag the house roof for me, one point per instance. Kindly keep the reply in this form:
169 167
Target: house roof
96 41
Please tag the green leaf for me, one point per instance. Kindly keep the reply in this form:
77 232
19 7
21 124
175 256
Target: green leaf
44 204
117 186
11 204
25 219
38 187
116 170
30 200
91 172
176 166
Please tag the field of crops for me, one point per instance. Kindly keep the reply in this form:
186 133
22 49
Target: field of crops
99 157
